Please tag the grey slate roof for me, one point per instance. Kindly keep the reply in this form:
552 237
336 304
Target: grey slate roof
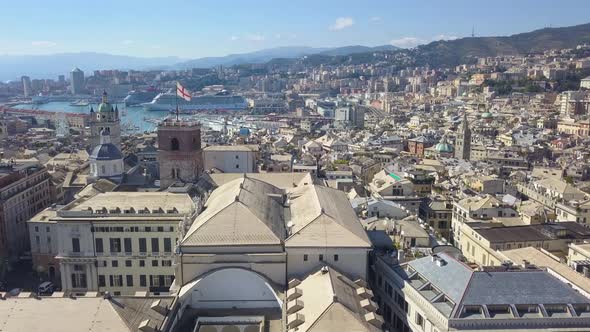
106 151
451 278
519 287
466 287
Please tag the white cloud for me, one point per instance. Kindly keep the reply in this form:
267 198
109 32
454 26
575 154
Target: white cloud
43 43
341 23
255 37
375 19
407 42
234 38
127 42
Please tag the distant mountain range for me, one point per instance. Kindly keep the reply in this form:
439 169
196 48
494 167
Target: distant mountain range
449 52
288 52
455 51
48 66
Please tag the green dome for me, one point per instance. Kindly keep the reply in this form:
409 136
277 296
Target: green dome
104 106
487 115
443 147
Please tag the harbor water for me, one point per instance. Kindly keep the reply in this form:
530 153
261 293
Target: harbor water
133 119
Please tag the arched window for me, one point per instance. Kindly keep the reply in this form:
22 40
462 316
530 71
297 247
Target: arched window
174 144
103 170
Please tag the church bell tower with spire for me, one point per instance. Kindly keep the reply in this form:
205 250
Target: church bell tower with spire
463 140
105 119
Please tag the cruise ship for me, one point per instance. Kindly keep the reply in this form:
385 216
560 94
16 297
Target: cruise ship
137 97
167 102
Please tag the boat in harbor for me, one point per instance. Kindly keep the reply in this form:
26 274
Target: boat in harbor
137 97
167 102
81 102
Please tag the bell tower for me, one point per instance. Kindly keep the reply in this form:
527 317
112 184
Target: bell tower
179 151
105 119
463 140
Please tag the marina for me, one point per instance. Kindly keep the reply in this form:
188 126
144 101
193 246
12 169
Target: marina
134 119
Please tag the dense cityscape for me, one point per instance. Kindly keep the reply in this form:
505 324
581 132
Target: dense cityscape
444 187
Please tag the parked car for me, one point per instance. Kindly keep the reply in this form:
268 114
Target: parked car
14 292
45 288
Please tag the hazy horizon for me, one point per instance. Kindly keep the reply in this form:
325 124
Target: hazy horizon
195 30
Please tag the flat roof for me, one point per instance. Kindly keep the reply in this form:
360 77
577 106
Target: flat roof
59 315
136 200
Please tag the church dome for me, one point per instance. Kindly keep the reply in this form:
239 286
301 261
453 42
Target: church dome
486 115
105 106
443 146
106 150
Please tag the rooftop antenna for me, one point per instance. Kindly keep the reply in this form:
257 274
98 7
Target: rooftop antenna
472 31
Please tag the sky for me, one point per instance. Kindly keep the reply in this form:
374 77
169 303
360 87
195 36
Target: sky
200 28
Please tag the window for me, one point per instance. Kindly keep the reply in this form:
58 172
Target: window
174 144
128 263
99 245
129 280
155 244
103 170
237 166
142 280
118 281
167 245
419 320
305 257
127 243
78 280
336 258
76 245
155 262
36 228
142 245
166 263
115 263
101 281
321 257
142 263
237 157
115 245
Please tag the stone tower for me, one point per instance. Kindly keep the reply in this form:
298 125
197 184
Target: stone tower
179 151
463 140
106 119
